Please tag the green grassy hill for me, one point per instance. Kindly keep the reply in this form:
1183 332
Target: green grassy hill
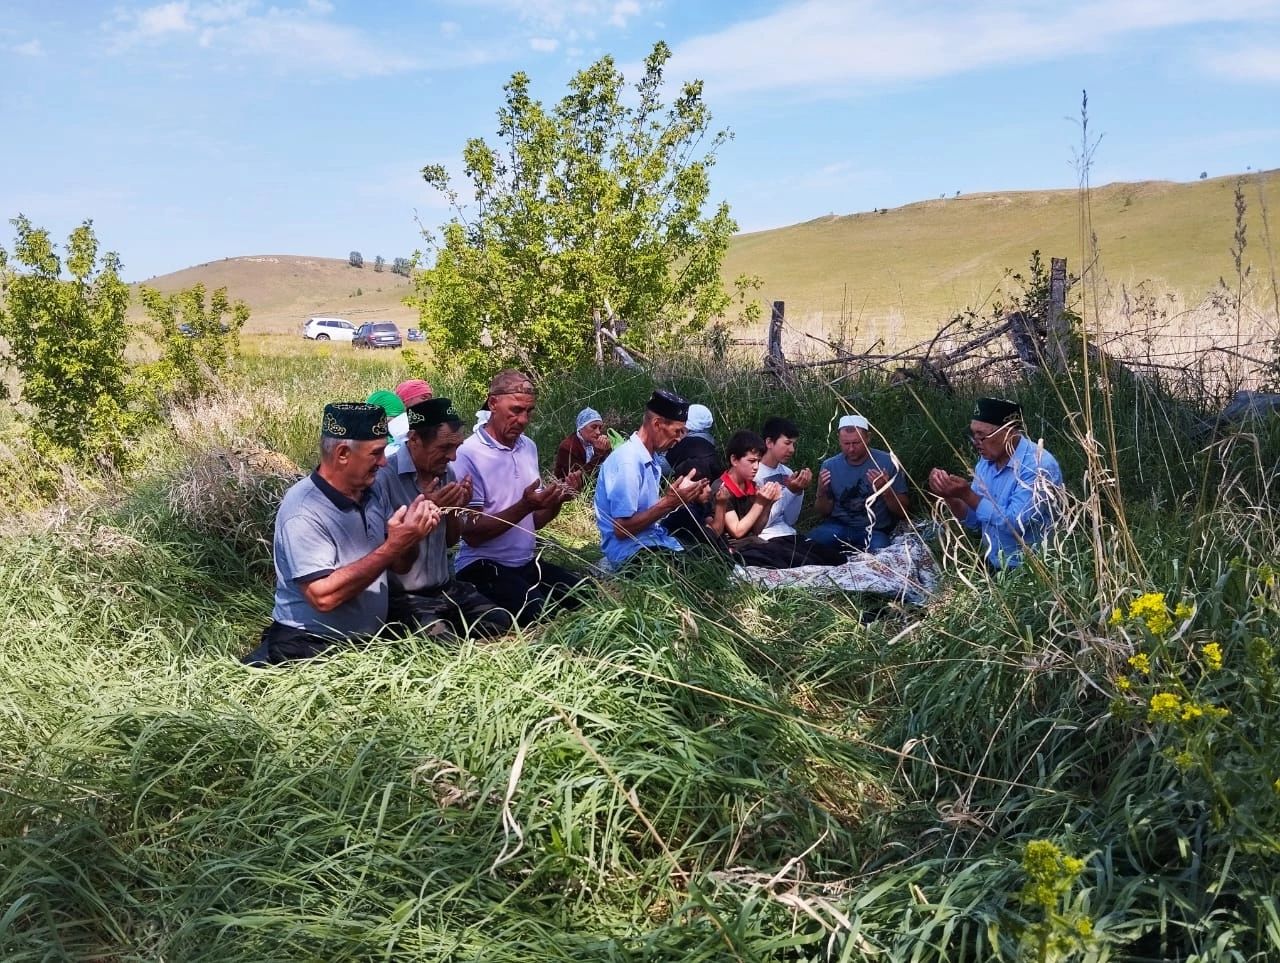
898 272
892 273
282 290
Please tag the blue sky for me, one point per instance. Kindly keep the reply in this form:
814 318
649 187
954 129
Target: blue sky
201 129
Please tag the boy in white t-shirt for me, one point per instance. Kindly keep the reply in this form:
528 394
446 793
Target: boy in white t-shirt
780 436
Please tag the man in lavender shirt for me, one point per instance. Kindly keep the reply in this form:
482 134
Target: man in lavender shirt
509 502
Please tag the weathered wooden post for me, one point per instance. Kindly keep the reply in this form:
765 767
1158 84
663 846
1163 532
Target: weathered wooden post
595 320
1056 333
775 360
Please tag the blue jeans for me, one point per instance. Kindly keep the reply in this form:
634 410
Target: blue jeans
839 535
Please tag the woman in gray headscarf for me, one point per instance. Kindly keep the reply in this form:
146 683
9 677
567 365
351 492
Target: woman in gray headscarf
586 448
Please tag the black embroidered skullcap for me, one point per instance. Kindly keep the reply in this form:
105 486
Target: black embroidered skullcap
669 405
997 411
354 421
511 382
432 412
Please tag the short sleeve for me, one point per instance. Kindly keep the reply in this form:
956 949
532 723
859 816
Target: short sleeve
307 551
463 467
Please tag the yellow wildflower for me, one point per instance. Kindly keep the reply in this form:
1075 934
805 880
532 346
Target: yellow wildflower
1141 663
1183 611
1191 711
1153 610
1117 616
1213 656
1123 684
1184 760
1276 786
1164 707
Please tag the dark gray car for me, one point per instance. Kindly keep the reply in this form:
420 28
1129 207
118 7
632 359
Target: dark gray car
377 334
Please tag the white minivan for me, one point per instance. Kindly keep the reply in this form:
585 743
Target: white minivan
328 329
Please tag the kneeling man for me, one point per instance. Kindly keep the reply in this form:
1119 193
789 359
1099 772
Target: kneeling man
335 541
1014 488
861 492
629 510
509 503
428 596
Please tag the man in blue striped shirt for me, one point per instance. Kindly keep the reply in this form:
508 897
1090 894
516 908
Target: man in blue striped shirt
1015 485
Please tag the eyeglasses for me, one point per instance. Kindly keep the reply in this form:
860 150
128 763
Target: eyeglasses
978 439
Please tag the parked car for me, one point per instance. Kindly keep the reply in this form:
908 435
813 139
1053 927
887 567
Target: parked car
414 334
328 329
377 334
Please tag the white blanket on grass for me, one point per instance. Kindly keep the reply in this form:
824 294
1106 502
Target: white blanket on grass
903 570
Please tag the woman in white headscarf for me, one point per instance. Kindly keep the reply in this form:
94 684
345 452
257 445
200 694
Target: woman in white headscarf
586 448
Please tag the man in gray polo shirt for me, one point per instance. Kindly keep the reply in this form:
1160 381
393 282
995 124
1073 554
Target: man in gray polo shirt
427 596
509 502
335 541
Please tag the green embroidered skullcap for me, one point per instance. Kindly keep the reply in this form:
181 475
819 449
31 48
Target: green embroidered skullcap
354 421
388 401
432 412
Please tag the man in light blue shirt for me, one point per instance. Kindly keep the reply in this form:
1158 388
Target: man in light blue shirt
1014 488
629 509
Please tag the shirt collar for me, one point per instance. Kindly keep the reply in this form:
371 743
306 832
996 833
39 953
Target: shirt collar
339 500
488 440
404 462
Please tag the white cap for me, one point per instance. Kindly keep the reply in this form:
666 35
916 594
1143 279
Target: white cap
855 421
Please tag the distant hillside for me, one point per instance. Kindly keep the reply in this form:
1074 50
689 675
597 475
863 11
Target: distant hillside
283 290
893 273
910 267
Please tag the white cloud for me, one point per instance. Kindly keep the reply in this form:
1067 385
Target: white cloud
580 17
835 46
1252 64
544 44
623 10
299 37
32 48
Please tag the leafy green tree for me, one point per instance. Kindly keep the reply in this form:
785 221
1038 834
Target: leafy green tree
402 266
355 259
598 202
378 263
199 342
66 338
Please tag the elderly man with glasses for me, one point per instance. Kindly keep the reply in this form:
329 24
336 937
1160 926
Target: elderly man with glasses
1015 485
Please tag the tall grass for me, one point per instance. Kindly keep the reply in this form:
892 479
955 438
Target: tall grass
685 769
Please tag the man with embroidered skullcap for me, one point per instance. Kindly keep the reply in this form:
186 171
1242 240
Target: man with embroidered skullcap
1015 485
427 596
586 448
629 508
335 542
861 492
509 503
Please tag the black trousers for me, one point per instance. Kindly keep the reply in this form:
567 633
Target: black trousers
452 610
786 551
283 643
524 590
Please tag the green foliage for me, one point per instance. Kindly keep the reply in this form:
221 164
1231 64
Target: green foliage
595 203
378 263
355 259
402 266
199 343
66 338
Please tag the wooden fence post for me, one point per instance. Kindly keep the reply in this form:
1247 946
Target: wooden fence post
776 360
595 320
1056 333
